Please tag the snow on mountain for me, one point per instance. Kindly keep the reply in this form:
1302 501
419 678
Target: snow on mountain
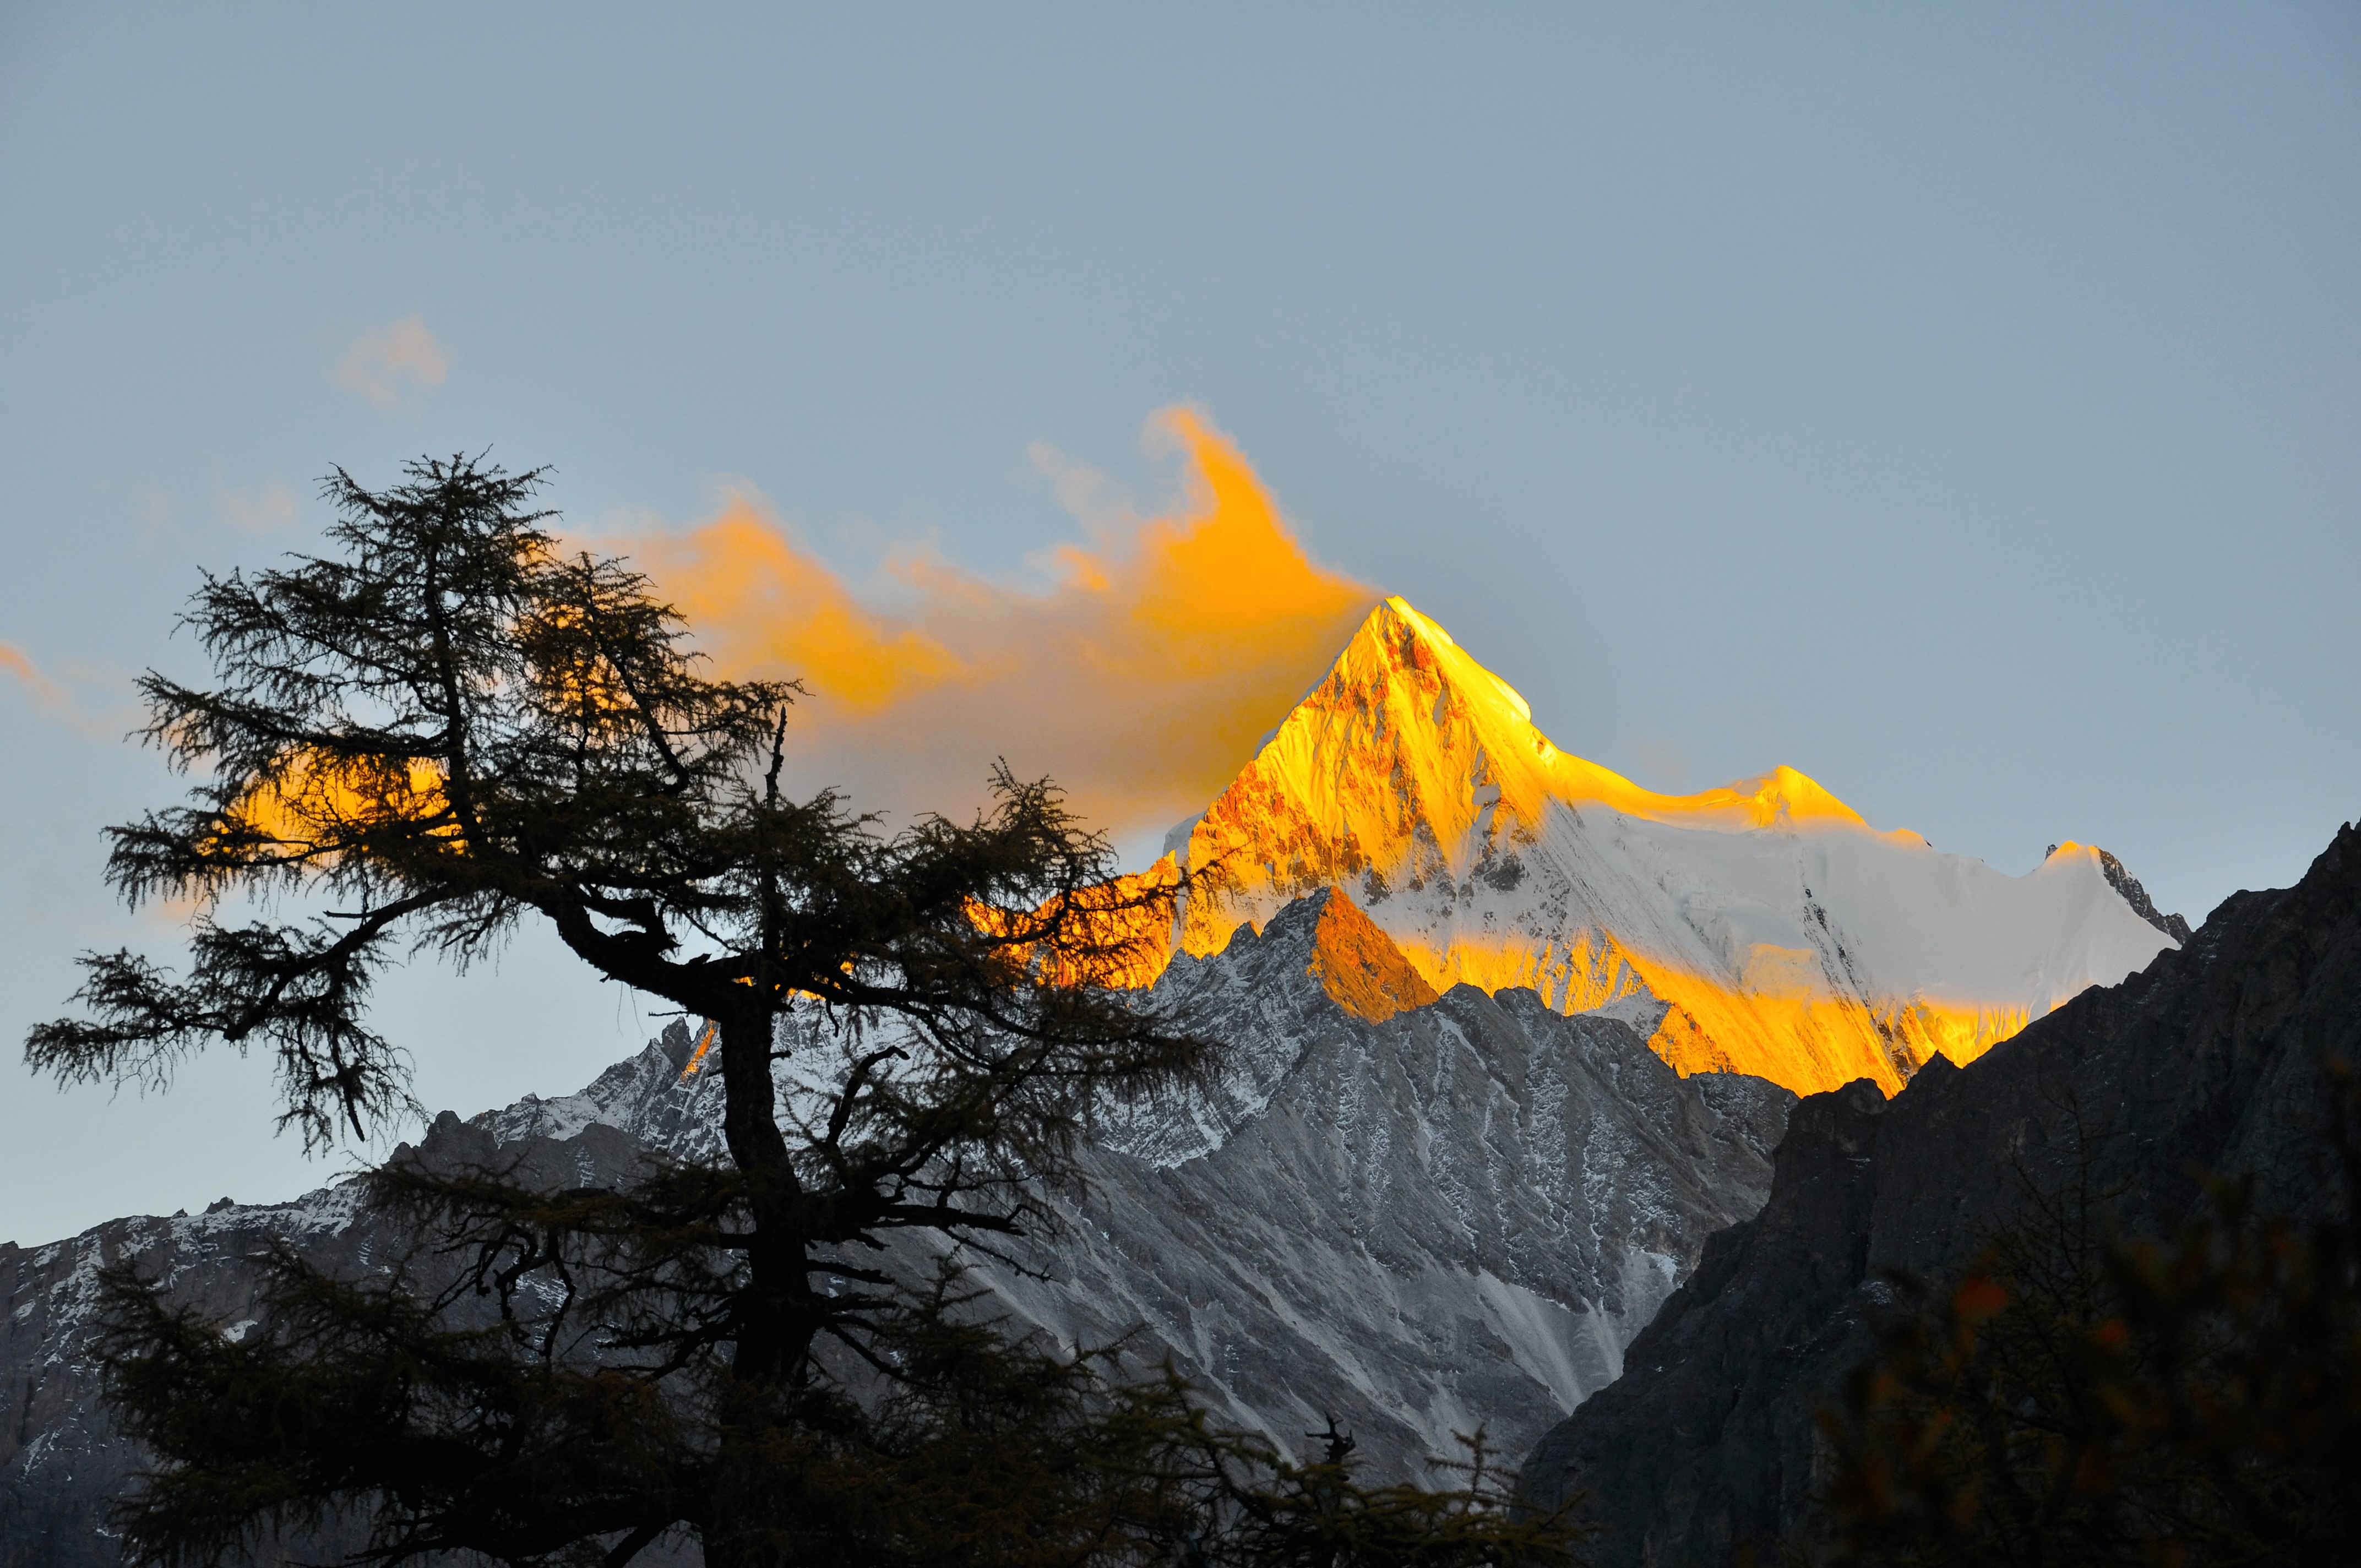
1763 927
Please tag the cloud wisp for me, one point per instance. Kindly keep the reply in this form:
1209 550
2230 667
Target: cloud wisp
52 699
43 690
270 510
392 364
1140 676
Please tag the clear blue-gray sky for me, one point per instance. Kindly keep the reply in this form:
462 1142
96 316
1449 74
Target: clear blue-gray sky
1958 403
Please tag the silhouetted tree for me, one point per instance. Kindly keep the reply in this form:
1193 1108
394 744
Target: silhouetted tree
1273 1514
451 726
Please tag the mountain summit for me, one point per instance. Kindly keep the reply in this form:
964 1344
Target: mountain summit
1763 927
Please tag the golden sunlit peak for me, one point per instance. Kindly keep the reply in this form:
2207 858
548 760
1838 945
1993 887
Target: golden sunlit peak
1397 618
1762 926
1786 795
1403 611
1463 708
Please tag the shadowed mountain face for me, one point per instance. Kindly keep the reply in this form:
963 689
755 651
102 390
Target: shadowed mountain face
1420 1214
2209 1059
60 1461
1455 1216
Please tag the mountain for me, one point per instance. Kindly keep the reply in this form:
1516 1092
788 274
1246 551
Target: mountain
1763 927
1417 1214
61 1460
2213 1058
1508 1037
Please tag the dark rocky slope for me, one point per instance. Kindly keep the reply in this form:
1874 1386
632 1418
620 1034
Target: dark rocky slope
2210 1059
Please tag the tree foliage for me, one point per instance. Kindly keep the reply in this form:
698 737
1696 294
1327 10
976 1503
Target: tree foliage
373 1413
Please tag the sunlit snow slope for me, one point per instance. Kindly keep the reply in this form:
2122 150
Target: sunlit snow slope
1764 927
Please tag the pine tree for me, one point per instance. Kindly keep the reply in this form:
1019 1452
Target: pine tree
452 726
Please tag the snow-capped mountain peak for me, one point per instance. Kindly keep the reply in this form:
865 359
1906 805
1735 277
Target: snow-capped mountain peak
1771 927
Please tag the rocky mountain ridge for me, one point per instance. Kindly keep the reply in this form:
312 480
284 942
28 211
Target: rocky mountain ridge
2124 882
1417 1214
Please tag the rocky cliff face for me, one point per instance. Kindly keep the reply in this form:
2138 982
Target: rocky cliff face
1456 1215
2211 1058
1419 1215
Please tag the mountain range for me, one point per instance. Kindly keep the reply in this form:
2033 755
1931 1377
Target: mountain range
1507 1038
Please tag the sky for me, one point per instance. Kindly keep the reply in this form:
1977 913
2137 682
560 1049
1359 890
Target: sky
1958 404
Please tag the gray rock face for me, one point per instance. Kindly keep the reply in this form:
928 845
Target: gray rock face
1444 1217
2209 1059
62 1459
1448 1215
1456 1212
1458 1216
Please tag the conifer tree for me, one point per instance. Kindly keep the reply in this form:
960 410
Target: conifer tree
449 726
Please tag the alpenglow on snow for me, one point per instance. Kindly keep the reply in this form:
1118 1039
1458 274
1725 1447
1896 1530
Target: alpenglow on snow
1763 927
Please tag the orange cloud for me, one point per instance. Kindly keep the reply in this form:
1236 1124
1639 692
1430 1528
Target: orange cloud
43 690
1139 678
56 701
763 606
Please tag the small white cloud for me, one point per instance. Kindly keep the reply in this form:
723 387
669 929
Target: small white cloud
270 510
390 362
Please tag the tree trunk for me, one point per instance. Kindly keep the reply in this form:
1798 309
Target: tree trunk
751 1503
